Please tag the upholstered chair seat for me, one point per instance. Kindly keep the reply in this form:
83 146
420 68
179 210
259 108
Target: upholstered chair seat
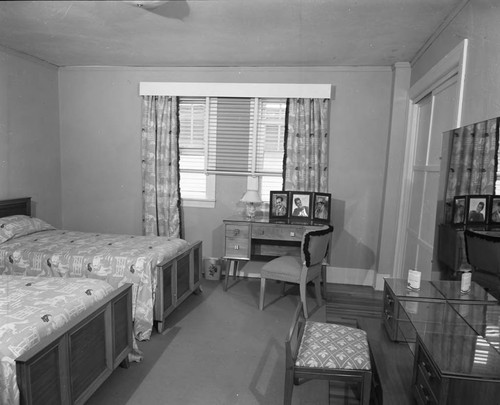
328 345
327 351
287 268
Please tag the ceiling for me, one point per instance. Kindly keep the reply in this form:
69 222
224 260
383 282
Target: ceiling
222 32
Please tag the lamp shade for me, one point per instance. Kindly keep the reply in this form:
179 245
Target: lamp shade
251 196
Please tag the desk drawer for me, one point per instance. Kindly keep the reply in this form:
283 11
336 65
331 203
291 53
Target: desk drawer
427 382
237 231
278 232
237 241
389 314
423 396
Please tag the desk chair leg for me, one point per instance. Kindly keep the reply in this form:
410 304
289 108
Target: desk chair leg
317 291
303 298
366 389
323 279
262 292
288 387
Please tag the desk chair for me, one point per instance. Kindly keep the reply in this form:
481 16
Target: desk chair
300 270
326 351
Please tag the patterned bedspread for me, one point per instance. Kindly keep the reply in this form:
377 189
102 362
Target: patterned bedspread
32 308
117 259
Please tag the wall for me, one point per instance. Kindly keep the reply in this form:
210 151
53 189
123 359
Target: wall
478 21
100 150
29 134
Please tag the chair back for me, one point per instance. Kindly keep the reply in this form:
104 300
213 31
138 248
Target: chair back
483 250
315 245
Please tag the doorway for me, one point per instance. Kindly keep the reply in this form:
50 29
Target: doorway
434 110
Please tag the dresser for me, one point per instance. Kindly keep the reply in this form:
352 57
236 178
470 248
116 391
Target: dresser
260 239
399 299
453 336
456 355
451 247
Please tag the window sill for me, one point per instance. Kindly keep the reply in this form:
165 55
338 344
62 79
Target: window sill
193 203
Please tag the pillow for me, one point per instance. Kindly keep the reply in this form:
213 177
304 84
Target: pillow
21 225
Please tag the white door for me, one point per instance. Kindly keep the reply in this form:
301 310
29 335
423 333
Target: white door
433 114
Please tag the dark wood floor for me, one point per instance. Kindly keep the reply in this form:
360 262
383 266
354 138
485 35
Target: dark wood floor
361 306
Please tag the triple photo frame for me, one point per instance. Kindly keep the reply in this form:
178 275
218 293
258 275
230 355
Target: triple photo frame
476 211
300 206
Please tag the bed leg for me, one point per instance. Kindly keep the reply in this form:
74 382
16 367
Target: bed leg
159 326
125 363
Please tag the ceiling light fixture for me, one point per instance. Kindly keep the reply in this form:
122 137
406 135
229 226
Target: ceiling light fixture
148 5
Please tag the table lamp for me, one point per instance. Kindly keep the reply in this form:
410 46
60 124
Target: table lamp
251 197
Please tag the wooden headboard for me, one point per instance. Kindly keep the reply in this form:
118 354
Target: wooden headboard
16 206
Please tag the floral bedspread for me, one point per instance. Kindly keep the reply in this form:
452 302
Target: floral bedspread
117 259
32 308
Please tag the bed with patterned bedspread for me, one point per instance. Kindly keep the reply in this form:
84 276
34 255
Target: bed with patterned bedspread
32 247
32 308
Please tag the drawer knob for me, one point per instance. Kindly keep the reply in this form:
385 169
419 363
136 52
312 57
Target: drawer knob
387 315
236 232
236 247
389 299
292 234
429 374
425 393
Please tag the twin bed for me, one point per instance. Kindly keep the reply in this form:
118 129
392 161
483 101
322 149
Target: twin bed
146 279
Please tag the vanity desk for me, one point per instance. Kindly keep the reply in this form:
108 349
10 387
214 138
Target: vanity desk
261 239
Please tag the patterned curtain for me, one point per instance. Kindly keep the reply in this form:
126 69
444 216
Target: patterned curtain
473 161
306 145
160 166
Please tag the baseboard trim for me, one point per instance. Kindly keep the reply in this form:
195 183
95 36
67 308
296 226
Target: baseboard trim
368 277
339 275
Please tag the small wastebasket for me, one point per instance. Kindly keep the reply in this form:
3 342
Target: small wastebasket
212 268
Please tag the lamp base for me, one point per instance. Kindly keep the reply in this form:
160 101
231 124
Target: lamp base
251 210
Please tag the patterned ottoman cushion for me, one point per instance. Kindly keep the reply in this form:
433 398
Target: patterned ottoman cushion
328 345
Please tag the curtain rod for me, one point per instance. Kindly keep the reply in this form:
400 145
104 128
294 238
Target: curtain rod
269 90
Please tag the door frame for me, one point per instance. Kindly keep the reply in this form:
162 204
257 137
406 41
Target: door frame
454 63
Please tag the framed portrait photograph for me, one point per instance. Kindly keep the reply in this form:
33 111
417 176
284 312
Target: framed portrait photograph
279 205
477 209
321 204
494 212
459 210
301 205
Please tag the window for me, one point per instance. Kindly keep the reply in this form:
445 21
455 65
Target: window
230 135
268 184
497 173
193 179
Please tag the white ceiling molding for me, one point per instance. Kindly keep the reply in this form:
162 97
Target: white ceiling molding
274 90
446 22
454 63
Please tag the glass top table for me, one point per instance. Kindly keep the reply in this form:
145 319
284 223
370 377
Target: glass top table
457 346
450 289
439 290
484 320
408 303
454 337
400 289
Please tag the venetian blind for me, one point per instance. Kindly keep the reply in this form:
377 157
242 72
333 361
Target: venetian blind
246 135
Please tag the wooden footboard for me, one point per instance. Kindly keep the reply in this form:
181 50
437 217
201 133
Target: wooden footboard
178 278
68 366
